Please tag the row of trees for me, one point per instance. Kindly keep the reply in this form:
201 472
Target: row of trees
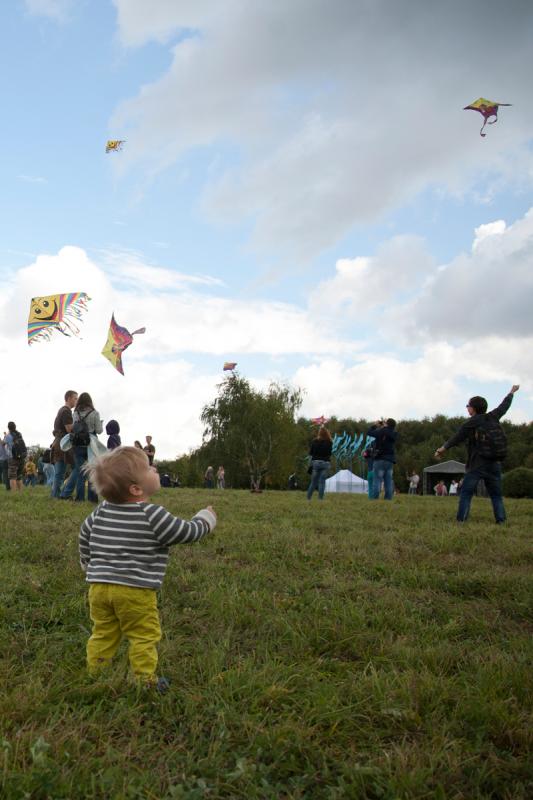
260 440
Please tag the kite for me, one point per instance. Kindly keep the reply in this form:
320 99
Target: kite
319 420
55 312
229 365
114 144
118 339
488 109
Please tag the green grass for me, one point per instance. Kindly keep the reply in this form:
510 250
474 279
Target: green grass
342 650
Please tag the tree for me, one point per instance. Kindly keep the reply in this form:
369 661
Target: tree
252 432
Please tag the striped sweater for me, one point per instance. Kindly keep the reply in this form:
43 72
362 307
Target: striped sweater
128 544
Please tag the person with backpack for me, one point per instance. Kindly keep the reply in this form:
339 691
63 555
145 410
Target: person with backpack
85 421
486 444
17 452
385 437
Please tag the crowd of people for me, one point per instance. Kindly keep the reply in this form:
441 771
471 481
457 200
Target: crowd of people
481 433
62 466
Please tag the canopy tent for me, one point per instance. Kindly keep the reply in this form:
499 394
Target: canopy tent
346 481
445 471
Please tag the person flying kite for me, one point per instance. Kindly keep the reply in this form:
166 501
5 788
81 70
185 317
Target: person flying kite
55 312
488 109
114 145
118 340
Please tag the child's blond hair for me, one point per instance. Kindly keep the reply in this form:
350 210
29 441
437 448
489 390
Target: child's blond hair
113 474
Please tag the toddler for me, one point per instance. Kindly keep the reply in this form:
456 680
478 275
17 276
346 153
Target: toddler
124 547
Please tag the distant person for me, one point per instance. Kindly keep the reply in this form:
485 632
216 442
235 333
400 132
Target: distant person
4 477
165 481
30 472
221 478
453 487
122 530
137 443
385 436
486 448
320 452
85 413
209 478
149 449
440 489
113 431
16 452
369 455
292 483
62 426
414 480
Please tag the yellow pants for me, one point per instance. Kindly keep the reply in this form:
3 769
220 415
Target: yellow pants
118 611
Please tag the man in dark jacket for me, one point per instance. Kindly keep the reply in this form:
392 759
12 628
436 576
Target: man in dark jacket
385 457
478 466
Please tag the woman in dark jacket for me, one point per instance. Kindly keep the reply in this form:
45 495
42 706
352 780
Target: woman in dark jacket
320 452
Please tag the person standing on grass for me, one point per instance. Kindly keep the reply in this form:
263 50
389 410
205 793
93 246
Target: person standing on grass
385 458
62 425
453 487
414 480
149 449
84 412
320 452
479 464
16 451
124 548
440 489
4 478
30 472
221 478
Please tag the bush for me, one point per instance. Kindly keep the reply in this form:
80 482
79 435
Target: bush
518 483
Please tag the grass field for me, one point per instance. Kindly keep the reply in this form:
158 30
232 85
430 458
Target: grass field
342 650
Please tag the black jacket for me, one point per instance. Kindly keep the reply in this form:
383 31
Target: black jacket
320 450
384 444
467 432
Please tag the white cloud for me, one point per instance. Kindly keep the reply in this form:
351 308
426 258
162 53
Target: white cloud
487 292
163 390
55 9
361 284
329 109
32 179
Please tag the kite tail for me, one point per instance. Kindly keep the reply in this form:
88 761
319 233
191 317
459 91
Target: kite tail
140 330
483 128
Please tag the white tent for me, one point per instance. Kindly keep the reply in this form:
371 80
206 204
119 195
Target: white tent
346 481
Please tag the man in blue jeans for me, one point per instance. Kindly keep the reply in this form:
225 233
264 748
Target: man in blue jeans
478 467
62 426
385 441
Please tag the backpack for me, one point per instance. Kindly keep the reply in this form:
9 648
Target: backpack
79 435
46 457
490 439
18 448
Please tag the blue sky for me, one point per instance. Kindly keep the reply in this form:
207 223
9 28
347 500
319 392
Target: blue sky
300 191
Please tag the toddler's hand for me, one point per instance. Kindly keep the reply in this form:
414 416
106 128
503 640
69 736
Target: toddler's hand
212 510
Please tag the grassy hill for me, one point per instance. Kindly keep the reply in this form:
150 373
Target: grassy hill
341 650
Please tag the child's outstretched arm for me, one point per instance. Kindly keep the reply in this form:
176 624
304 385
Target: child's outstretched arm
84 539
173 530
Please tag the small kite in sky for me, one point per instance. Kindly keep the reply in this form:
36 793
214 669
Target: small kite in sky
114 144
118 339
229 365
319 420
55 312
488 109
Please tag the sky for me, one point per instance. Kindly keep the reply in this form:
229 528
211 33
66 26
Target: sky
299 191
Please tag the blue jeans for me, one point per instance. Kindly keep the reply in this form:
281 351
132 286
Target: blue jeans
59 476
382 473
318 478
77 478
491 473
